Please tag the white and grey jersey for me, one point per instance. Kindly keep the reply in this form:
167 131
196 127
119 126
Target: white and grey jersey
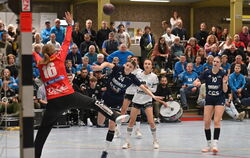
151 81
132 88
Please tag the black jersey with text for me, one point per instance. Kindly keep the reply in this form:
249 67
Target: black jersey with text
213 82
118 81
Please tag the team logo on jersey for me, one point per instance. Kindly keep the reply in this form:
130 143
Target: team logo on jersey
214 79
121 78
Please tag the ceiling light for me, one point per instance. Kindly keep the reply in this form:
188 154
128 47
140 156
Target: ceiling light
150 1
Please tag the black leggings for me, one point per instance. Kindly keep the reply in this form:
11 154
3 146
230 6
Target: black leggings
57 106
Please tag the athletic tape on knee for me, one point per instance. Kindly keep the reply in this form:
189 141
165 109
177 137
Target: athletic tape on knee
104 108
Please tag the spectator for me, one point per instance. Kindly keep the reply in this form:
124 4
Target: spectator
192 42
180 31
224 34
202 95
54 42
122 54
232 53
197 66
161 53
238 44
59 31
92 55
179 67
138 35
211 39
237 83
46 32
74 56
164 26
69 67
202 35
244 35
102 34
41 96
169 37
11 32
38 40
187 78
11 61
174 20
213 31
219 33
84 47
238 60
164 91
201 52
110 45
189 55
5 45
82 80
226 45
225 65
112 27
122 36
177 49
209 63
147 43
85 63
88 30
213 50
6 78
77 35
1 29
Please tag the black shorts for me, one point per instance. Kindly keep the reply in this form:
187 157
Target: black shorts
142 106
220 101
113 101
129 96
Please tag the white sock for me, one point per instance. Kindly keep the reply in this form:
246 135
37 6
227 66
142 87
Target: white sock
107 144
129 133
137 125
153 131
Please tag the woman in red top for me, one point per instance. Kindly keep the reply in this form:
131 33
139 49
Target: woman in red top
61 96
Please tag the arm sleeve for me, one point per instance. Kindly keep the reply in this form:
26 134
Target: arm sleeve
110 57
230 81
136 81
65 46
37 57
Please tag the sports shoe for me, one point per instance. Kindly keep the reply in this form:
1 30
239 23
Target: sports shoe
138 134
242 115
89 123
157 120
104 154
208 147
215 146
126 145
122 118
156 145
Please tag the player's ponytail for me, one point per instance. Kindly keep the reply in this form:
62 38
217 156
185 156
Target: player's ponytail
47 51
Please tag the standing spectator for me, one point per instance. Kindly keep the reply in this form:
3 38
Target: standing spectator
74 56
77 35
88 30
202 34
92 55
59 31
46 32
110 45
180 31
147 43
174 20
122 36
122 54
84 47
169 37
54 42
244 35
102 34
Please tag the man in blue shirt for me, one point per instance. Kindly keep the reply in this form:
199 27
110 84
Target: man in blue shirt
179 67
46 32
122 54
187 78
237 83
59 31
